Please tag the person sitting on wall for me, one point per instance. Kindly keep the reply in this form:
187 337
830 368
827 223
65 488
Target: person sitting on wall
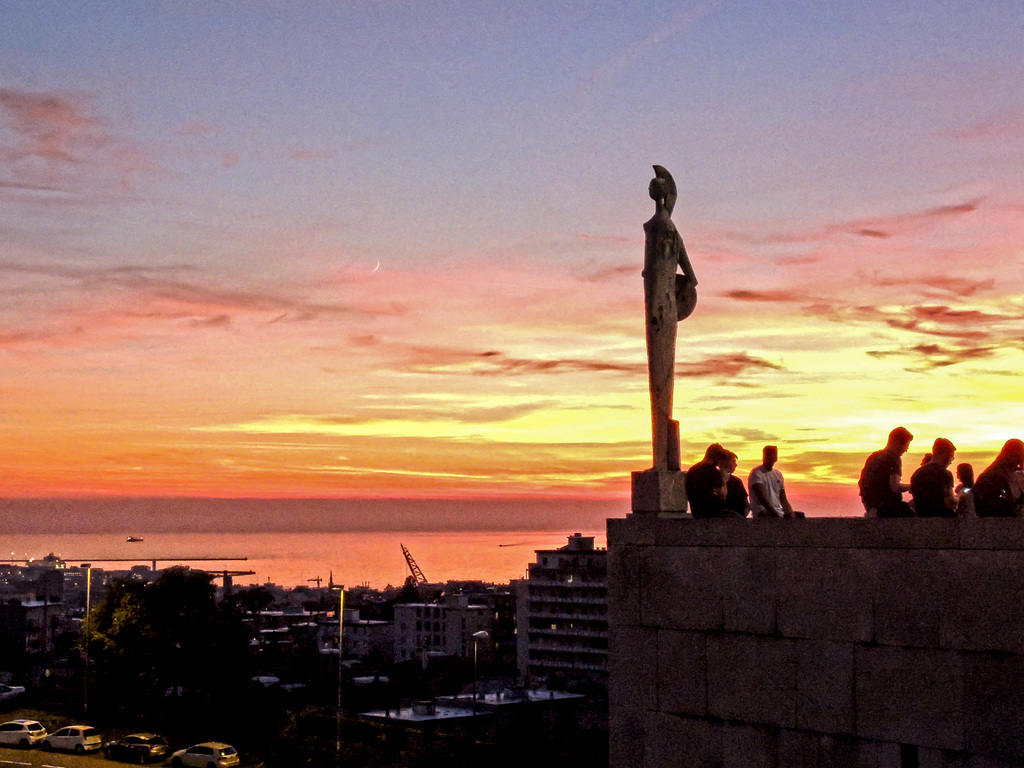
881 486
965 491
736 500
705 487
998 491
767 489
931 485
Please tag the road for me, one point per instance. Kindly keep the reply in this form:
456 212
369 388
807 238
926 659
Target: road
21 758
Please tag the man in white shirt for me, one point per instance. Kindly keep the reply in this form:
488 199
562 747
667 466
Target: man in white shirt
767 490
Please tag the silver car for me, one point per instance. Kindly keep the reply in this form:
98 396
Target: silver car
10 692
76 738
22 733
209 754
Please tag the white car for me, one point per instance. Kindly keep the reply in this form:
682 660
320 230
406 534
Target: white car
22 733
77 738
209 754
8 692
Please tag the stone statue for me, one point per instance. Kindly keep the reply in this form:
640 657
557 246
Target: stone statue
668 298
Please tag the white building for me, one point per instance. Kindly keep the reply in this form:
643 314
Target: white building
562 614
445 628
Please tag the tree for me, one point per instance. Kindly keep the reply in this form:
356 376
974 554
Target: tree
169 639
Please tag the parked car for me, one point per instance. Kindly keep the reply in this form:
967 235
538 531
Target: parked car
77 738
9 692
22 733
209 754
137 748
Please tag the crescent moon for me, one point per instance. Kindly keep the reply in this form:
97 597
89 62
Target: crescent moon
377 267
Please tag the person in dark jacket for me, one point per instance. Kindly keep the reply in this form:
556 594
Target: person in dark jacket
998 491
881 480
931 485
705 486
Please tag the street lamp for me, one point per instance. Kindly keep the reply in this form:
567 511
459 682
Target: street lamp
88 609
341 610
477 637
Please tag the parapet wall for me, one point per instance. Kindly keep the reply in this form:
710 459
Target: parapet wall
818 642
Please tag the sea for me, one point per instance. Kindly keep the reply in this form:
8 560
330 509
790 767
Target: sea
296 542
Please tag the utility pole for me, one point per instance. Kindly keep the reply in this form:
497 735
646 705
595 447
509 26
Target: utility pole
88 610
341 611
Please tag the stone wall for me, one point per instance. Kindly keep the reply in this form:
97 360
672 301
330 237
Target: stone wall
820 642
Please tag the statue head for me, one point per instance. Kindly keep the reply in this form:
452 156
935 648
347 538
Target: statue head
662 189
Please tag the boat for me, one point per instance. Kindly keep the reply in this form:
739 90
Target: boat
133 539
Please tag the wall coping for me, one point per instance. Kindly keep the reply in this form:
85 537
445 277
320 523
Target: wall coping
648 529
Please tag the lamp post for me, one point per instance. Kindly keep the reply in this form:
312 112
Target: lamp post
341 611
88 609
477 637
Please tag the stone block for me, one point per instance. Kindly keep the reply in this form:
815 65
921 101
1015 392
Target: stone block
617 529
813 532
799 749
825 594
824 687
681 588
693 532
659 491
984 761
928 757
849 752
911 590
681 677
671 740
889 755
748 590
910 696
906 533
747 746
983 609
626 737
1005 533
624 584
994 705
752 679
632 666
631 530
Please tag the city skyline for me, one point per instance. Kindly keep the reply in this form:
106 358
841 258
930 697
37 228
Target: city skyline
380 249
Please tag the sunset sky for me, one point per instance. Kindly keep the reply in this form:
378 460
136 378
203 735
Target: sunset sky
394 248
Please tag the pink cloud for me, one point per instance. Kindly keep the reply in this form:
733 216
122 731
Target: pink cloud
310 154
195 128
1008 125
53 141
772 296
878 227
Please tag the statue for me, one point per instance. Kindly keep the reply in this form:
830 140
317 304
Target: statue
669 297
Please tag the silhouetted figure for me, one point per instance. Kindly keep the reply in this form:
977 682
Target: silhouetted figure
767 489
668 298
881 486
931 485
705 487
965 491
736 499
998 491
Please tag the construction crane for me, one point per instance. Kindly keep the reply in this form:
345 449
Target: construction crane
417 574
